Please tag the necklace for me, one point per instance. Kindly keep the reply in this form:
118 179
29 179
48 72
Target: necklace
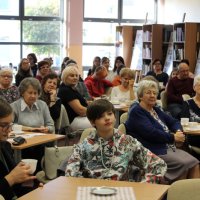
101 149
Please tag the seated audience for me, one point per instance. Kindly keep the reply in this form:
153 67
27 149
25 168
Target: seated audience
24 71
108 154
118 62
96 84
43 69
31 112
177 86
8 91
117 79
73 101
12 174
96 63
33 63
157 72
158 132
191 110
49 85
124 91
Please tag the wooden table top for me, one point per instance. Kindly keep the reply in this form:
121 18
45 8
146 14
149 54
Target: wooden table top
192 129
64 188
36 140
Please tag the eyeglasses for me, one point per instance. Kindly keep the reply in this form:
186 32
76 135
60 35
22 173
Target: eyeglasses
6 76
151 93
5 127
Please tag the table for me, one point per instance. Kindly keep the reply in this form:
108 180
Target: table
192 129
64 188
34 141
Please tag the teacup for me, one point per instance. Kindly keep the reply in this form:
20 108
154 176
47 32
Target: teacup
17 128
32 163
184 121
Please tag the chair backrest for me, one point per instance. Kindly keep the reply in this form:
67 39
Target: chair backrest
184 190
85 133
123 117
163 97
62 121
186 97
122 129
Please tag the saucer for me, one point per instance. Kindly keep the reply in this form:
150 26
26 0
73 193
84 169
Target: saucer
104 191
17 132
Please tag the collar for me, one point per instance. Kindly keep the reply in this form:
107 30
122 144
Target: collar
24 105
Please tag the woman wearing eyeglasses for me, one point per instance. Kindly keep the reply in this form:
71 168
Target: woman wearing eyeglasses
159 133
11 174
8 91
43 69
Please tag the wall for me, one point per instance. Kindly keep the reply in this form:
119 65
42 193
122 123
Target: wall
171 11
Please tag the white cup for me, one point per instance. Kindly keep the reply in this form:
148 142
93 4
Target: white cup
32 163
161 84
17 128
184 121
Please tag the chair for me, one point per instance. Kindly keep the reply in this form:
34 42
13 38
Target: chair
122 129
184 190
186 97
85 133
123 117
51 161
163 98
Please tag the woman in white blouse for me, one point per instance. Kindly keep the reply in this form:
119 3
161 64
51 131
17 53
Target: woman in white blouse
125 91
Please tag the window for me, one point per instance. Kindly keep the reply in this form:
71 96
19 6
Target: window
99 27
31 26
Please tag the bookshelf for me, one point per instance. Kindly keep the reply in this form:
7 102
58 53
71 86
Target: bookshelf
186 43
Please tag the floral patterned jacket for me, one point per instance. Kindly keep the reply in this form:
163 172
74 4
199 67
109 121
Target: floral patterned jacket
114 159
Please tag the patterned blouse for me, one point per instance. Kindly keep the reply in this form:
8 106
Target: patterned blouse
10 95
114 159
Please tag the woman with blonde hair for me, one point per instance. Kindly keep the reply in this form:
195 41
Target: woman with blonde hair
124 91
73 101
8 91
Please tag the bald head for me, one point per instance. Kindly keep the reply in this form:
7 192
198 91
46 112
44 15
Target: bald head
183 71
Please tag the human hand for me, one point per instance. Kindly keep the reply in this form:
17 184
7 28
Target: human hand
20 174
131 83
179 137
52 95
44 129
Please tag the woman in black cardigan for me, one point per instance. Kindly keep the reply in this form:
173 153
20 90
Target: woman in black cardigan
11 174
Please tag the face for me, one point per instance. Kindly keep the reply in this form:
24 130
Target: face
183 71
149 97
5 127
106 63
96 62
72 78
30 96
174 74
45 69
25 65
118 63
30 59
6 79
157 66
105 123
51 84
125 80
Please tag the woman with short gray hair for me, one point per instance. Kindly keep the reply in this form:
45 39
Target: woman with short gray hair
31 112
159 133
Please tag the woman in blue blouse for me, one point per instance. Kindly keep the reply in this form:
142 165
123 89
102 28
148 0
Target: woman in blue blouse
158 132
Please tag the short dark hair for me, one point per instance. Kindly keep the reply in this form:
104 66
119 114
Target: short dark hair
43 62
33 56
50 76
186 61
5 108
97 108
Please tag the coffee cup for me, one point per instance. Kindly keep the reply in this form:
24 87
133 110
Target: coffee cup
184 121
32 163
17 128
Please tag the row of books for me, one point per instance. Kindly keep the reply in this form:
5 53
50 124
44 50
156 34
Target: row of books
178 54
178 35
146 51
147 36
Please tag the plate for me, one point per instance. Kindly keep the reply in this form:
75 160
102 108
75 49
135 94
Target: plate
17 132
103 191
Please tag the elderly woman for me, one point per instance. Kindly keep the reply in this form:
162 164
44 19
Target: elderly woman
158 131
73 101
24 71
12 174
31 112
43 69
191 110
8 91
124 91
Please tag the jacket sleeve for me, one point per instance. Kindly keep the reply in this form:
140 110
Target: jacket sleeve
74 163
185 110
154 168
5 190
141 123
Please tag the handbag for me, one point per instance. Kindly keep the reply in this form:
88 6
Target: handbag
53 157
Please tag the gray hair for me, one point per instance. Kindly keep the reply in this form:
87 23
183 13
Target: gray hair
6 70
67 71
146 84
127 71
25 83
196 80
